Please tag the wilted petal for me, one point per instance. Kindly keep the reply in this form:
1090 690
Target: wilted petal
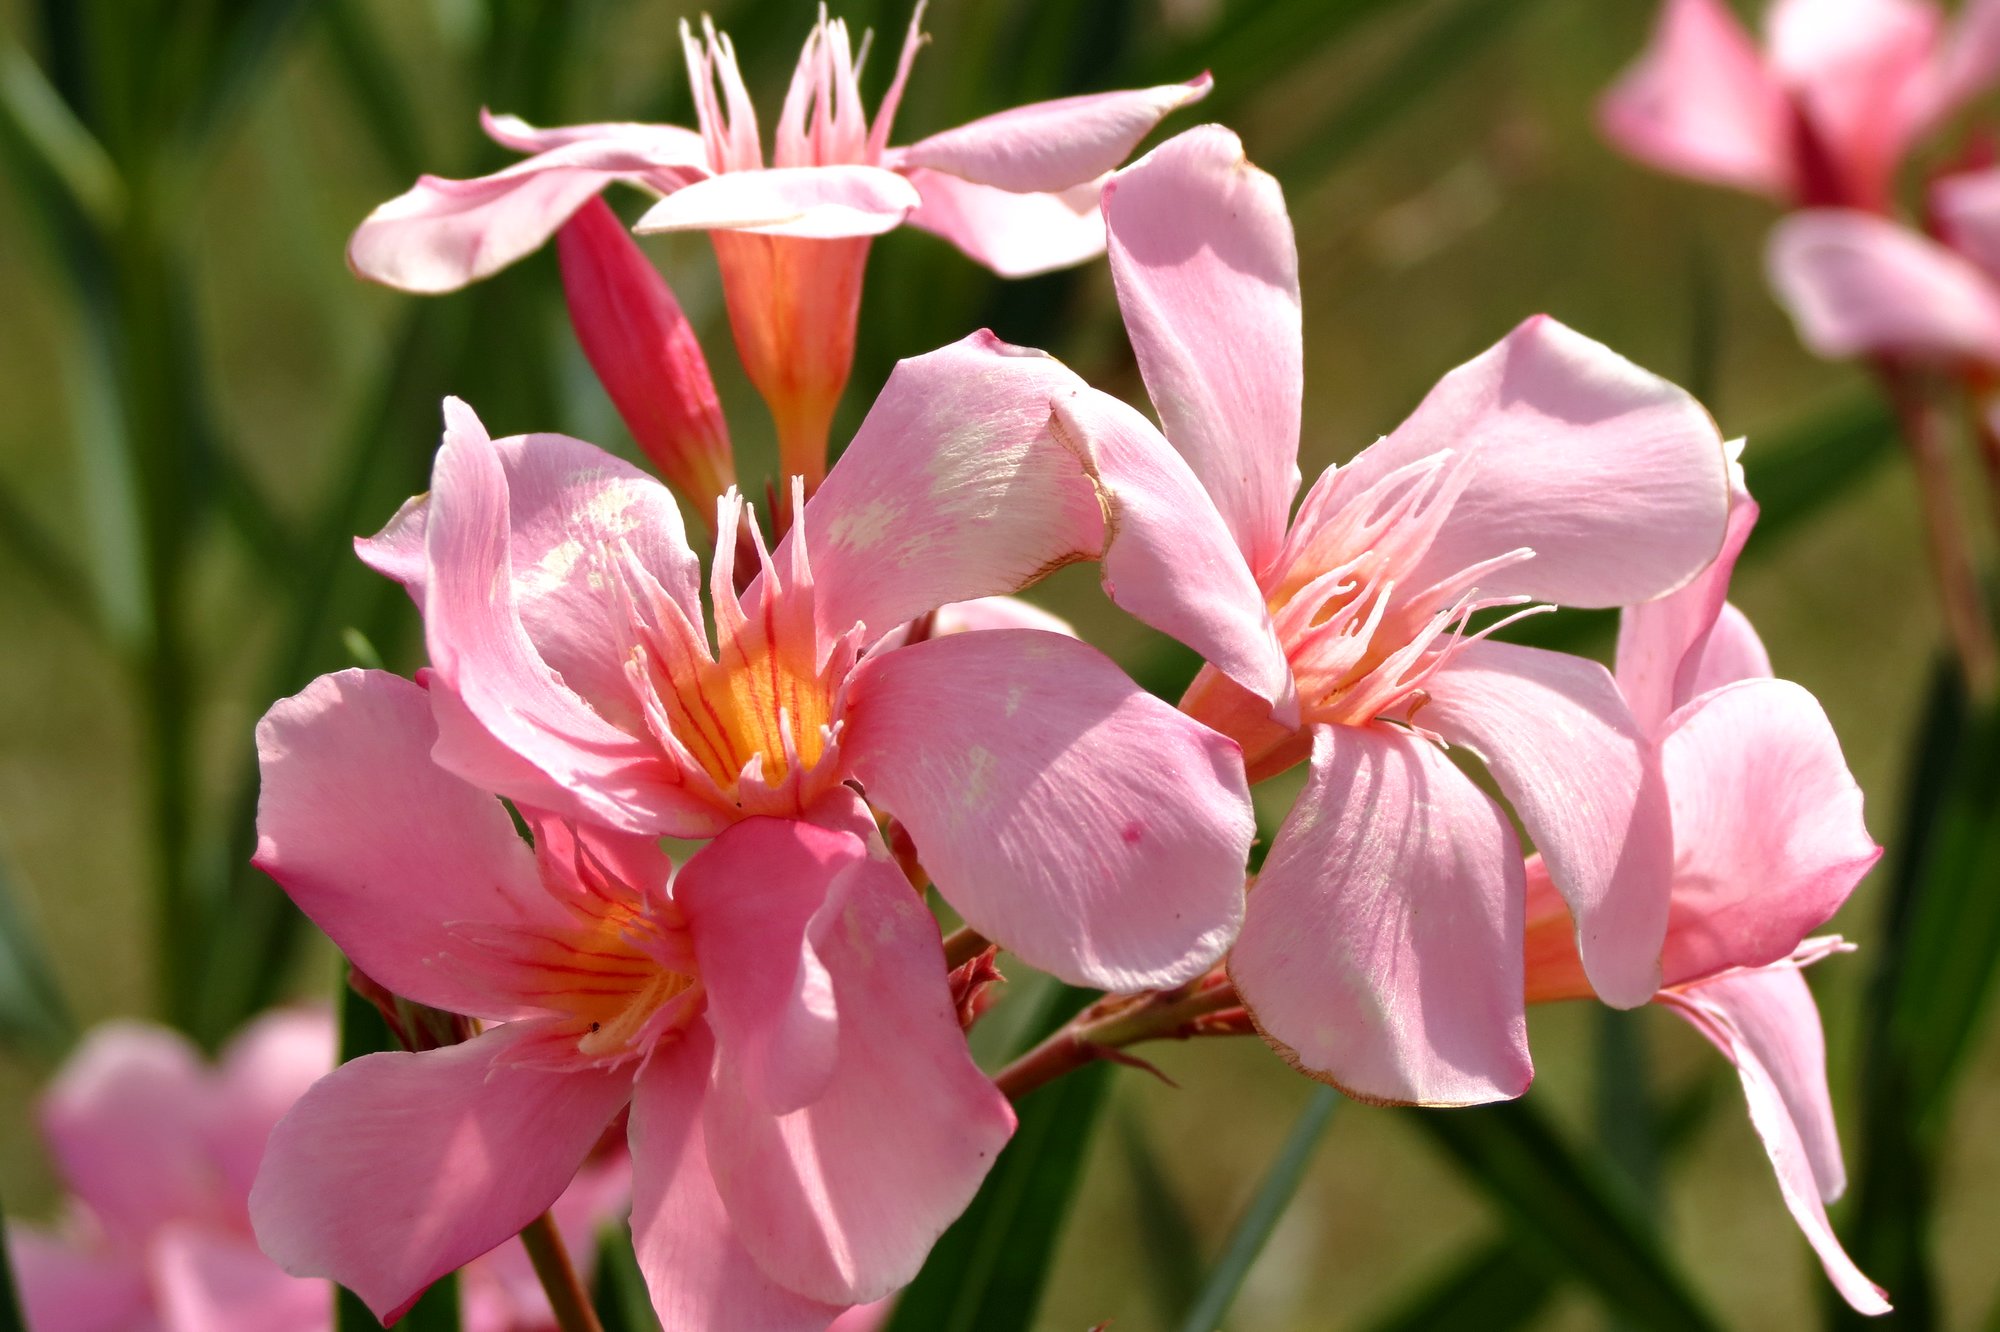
1382 949
805 202
1860 285
1015 235
1067 814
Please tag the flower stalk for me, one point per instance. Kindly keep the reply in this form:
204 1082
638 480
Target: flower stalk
558 1276
1205 1007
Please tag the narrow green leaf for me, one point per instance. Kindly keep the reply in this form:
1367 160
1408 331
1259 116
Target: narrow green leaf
1796 471
380 96
618 1290
70 152
1562 1206
47 563
1166 1231
1625 1114
32 1011
252 40
987 1271
1253 1229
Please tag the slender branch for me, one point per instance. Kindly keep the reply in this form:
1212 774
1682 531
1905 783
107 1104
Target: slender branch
567 1297
1205 1007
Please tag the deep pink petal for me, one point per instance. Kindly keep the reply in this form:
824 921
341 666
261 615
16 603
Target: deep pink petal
1568 756
1067 814
1615 478
696 1267
265 1069
749 897
398 1168
1053 145
1860 285
1699 102
209 1282
65 1288
382 848
1383 947
810 202
442 234
1208 280
1768 834
843 1199
1766 1024
1015 235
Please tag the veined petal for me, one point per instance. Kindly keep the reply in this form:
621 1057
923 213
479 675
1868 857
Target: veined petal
1015 235
811 202
842 1200
398 1167
1765 1023
1699 102
1067 814
1208 281
1565 751
1767 827
1858 285
1053 145
1382 951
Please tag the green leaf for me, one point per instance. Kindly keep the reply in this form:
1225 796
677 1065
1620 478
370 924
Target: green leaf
987 1271
1253 1229
1166 1232
71 153
1563 1207
32 1011
618 1291
10 1302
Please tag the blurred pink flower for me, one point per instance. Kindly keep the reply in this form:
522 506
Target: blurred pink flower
1016 191
1064 812
805 1119
1768 842
1822 116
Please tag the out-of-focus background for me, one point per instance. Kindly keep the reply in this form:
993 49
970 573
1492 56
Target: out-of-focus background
202 406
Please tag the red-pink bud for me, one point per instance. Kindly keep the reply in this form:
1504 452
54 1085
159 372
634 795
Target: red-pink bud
645 354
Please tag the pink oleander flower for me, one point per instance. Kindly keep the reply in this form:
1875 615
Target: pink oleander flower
1768 842
1381 946
1065 813
1016 191
1823 115
158 1149
804 1117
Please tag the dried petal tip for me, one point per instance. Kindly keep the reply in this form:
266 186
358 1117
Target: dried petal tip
645 354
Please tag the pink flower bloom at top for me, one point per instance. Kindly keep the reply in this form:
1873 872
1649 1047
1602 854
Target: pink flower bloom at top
1822 116
1768 842
1016 191
804 1117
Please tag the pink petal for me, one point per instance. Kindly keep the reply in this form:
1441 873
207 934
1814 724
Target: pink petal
1382 950
206 1282
842 1200
1568 756
1967 63
265 1069
982 613
1208 280
1767 826
1765 1023
442 234
1858 70
382 848
126 1122
1699 102
1860 285
1053 145
398 1168
696 1268
516 133
1067 814
811 202
1015 235
1614 477
748 897
64 1288
1731 652
1967 209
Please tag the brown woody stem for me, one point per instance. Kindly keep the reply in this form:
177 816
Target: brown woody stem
1208 1006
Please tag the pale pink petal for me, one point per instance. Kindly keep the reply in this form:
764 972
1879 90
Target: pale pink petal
1767 826
1208 280
1967 209
1731 652
382 848
810 202
1053 145
1015 235
865 1317
748 897
1615 478
1568 756
1383 948
964 617
1966 64
397 551
661 140
1860 285
1067 814
442 234
1765 1023
842 1200
1699 102
398 1168
696 1268
266 1068
64 1288
208 1282
126 1123
1858 71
